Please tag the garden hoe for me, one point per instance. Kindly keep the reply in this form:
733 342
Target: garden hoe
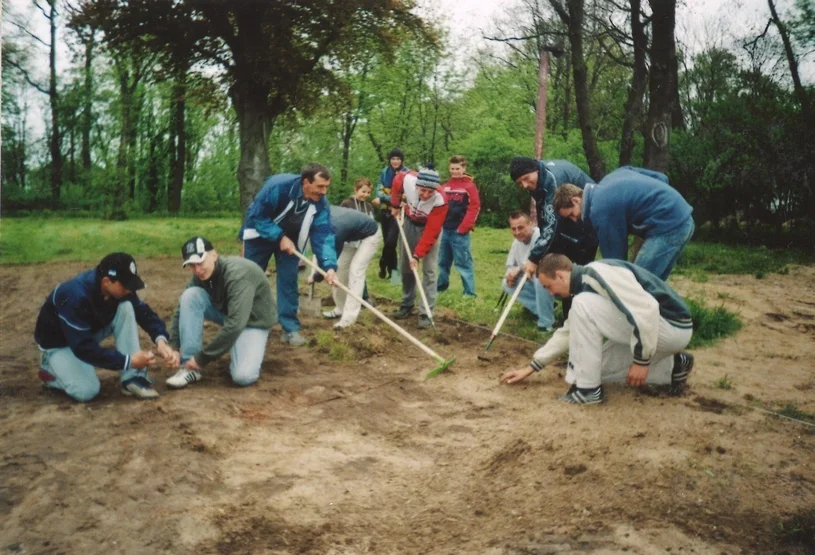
443 364
503 317
415 270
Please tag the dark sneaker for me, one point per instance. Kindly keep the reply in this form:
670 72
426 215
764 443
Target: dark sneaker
683 364
424 322
584 395
383 273
139 388
402 314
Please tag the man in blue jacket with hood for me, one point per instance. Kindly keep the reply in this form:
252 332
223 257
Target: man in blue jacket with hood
576 240
289 210
637 201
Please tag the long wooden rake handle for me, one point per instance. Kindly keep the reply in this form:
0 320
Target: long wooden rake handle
509 306
415 271
370 307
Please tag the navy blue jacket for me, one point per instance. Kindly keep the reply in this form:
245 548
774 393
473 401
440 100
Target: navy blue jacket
351 225
552 174
75 312
632 200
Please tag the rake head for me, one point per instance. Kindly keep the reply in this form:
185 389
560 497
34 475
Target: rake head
440 368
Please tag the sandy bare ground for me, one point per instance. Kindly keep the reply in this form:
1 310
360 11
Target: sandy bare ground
363 457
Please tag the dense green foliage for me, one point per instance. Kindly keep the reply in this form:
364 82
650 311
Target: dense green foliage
743 158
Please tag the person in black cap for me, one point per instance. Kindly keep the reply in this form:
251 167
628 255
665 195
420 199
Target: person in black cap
390 232
560 235
81 312
232 292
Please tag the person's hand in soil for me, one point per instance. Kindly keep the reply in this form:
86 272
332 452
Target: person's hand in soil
515 376
142 359
171 358
637 374
287 245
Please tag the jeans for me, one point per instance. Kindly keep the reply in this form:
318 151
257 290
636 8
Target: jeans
351 268
260 252
536 299
247 352
659 253
592 362
429 267
78 378
455 249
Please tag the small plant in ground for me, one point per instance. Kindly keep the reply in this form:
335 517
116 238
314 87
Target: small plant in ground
710 325
723 383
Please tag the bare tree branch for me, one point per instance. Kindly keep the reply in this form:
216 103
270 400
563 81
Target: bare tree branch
25 75
30 34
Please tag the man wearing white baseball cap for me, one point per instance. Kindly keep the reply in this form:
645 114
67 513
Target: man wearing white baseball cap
232 292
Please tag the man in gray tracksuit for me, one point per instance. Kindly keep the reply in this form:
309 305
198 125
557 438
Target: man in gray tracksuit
645 323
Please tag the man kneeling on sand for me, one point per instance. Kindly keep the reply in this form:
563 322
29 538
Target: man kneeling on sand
232 292
645 322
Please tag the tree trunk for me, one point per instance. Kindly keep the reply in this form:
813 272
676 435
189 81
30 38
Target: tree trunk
633 104
347 132
255 126
56 139
661 86
800 92
597 166
178 147
87 103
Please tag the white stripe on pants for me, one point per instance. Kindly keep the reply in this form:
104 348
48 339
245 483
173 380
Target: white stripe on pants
592 318
351 269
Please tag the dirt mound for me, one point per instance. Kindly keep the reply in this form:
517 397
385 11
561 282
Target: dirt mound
342 447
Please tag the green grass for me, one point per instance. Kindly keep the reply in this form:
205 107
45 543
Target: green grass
717 258
710 325
792 411
32 240
723 383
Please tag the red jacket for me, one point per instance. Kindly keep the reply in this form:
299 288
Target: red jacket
430 213
462 196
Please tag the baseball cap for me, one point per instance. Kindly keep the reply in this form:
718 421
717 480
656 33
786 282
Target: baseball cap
120 266
195 250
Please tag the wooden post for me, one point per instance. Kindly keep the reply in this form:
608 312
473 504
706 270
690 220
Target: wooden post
540 124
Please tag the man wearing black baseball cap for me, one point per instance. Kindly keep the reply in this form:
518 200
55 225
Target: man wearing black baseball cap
81 312
232 292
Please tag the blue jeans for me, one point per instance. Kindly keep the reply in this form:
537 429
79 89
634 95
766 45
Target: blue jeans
455 249
78 378
536 299
260 251
659 253
247 352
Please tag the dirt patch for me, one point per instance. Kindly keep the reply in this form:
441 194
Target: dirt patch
357 454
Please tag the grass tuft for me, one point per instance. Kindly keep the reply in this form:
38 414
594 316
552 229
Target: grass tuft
710 325
723 383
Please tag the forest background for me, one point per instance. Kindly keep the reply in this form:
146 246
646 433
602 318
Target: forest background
183 108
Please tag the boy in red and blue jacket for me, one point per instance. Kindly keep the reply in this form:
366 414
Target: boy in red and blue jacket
464 206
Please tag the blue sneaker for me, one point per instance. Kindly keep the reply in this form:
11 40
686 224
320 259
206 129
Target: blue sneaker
140 388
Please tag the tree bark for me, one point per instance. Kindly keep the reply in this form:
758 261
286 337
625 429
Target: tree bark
597 166
800 92
87 103
53 97
255 126
178 143
633 104
661 85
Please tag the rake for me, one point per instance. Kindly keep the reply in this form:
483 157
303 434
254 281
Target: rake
443 364
503 317
414 270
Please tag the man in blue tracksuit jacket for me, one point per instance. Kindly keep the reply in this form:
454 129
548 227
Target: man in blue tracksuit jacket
289 210
576 240
637 201
81 312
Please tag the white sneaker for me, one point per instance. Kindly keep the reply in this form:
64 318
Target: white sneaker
294 338
183 378
342 325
